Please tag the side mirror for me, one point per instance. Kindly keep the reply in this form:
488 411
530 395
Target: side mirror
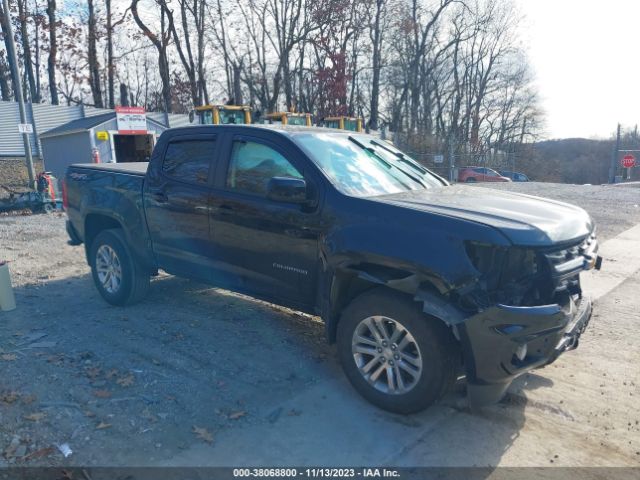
287 190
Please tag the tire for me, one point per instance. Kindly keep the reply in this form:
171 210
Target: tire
49 208
434 343
471 180
127 282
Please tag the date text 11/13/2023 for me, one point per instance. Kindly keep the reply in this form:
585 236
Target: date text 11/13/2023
316 472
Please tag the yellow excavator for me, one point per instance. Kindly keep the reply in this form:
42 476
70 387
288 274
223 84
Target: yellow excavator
343 123
289 118
223 114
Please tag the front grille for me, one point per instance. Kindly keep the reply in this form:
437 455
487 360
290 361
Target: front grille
566 264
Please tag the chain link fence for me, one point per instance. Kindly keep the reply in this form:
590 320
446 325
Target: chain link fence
446 164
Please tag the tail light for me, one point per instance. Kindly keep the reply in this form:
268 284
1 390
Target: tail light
65 200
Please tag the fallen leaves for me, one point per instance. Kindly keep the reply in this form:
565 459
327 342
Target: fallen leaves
35 417
237 415
43 452
93 372
8 357
12 448
126 381
9 397
102 393
56 359
103 425
203 434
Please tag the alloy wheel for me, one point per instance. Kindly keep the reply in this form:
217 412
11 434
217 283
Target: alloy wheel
108 268
387 355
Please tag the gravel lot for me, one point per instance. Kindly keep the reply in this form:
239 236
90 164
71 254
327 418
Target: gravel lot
199 376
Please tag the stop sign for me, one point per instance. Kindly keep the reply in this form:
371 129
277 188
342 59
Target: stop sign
628 161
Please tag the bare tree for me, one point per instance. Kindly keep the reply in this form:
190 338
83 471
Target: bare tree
92 55
53 51
27 55
161 42
378 23
5 92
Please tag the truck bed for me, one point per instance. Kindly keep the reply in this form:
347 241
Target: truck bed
130 168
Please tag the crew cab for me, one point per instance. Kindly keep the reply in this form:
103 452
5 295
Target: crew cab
416 281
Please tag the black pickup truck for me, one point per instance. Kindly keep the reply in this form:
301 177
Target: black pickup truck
416 280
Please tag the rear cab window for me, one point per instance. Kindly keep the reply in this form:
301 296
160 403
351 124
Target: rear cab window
189 160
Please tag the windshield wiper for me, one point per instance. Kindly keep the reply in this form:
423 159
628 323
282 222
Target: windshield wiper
371 150
402 158
385 162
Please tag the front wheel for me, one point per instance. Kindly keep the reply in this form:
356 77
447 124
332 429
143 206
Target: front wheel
116 274
394 355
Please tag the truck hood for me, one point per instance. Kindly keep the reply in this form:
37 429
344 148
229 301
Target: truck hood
524 219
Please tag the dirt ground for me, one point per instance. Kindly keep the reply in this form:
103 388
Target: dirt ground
13 174
197 376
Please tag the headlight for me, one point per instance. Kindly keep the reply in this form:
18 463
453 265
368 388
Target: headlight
508 274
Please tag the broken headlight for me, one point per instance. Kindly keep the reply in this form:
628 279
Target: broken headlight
508 275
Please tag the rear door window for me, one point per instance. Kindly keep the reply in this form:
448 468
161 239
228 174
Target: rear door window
189 160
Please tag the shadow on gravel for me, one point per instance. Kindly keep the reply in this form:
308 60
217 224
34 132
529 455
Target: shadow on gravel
196 374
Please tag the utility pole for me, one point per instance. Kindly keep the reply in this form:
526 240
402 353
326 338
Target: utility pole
17 87
614 158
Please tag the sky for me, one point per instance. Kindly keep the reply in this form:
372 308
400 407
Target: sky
586 58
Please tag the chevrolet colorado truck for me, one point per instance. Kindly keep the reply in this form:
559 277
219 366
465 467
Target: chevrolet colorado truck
416 280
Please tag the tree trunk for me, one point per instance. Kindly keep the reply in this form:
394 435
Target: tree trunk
376 65
124 97
160 42
26 52
53 52
5 93
237 91
288 87
12 68
94 67
110 66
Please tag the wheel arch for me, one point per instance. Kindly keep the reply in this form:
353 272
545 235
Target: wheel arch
348 283
94 223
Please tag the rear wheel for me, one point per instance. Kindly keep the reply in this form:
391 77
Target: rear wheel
395 356
117 275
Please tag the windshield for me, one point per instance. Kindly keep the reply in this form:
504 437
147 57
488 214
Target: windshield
206 117
362 166
297 120
231 116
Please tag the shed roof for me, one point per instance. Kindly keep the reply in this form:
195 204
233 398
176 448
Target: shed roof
86 123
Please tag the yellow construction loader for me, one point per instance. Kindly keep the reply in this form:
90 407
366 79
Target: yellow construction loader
289 118
223 114
343 123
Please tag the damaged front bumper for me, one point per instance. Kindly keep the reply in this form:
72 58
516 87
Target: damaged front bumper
503 342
